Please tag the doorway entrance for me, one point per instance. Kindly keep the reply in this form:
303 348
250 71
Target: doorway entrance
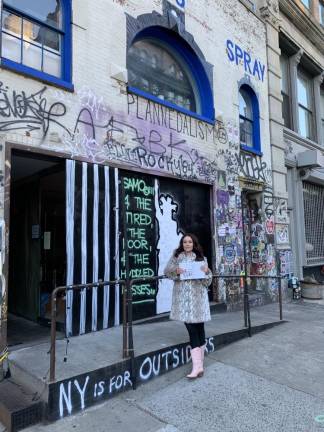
37 258
259 245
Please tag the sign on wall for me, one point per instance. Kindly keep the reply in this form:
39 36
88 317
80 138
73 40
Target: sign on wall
240 57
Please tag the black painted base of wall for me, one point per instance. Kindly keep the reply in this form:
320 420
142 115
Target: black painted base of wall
80 392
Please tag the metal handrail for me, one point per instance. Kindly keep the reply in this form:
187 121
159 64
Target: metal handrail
128 342
78 287
247 318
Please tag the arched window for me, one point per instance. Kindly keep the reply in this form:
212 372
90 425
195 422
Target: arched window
165 69
249 119
36 38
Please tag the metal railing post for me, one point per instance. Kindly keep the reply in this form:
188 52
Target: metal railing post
245 302
125 321
53 335
129 286
280 299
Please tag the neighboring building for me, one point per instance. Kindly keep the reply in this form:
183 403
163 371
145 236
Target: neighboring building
131 124
297 30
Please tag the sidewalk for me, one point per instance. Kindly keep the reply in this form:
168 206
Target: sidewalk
97 350
272 382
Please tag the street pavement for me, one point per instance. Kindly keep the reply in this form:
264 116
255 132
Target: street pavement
271 382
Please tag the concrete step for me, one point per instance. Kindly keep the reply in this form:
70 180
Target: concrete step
22 377
19 407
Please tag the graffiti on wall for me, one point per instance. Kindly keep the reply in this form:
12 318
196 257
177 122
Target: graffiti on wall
156 138
281 206
101 136
169 236
286 264
139 220
150 136
72 395
20 110
282 234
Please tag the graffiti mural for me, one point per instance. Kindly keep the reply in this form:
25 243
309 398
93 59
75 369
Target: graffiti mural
20 110
154 139
168 240
72 395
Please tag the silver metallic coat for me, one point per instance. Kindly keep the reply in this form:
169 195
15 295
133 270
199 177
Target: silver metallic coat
189 297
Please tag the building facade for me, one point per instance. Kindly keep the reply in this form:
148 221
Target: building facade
122 127
297 79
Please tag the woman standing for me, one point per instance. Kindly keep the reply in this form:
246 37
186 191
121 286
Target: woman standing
190 298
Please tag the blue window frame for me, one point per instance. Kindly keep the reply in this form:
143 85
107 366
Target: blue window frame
164 68
249 115
36 39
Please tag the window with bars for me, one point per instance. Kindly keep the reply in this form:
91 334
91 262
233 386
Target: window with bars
36 38
313 197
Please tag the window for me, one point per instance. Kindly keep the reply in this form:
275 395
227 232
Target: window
285 91
313 197
321 12
164 68
249 119
306 3
154 69
36 38
322 114
305 106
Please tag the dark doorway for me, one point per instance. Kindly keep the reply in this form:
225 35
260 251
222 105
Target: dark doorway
37 258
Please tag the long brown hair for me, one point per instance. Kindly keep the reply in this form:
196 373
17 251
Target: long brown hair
197 249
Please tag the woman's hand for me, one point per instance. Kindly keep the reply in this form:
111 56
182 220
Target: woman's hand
179 270
205 269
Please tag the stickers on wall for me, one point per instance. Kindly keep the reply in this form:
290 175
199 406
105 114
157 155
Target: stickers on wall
282 234
269 226
221 179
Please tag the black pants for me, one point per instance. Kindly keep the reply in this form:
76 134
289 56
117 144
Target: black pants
196 334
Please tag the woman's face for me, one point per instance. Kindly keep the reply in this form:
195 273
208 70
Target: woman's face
187 244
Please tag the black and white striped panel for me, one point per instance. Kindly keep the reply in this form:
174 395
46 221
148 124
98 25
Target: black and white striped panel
92 246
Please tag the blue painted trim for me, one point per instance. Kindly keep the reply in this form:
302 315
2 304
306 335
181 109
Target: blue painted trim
251 150
168 104
66 54
197 70
256 121
67 45
42 76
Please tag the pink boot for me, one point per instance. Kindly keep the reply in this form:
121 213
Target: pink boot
202 352
197 369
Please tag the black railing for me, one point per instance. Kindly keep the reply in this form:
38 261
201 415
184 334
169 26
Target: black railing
127 301
79 287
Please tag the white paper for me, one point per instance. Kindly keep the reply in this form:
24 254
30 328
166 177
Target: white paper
47 240
192 270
